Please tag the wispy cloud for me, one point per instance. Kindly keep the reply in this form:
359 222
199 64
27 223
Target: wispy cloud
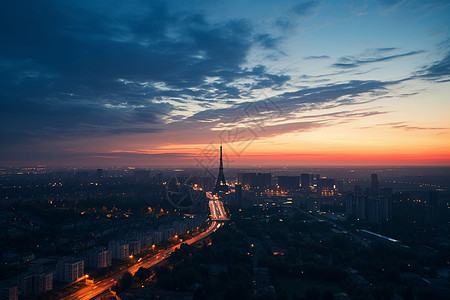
405 126
305 8
289 112
348 62
438 71
316 57
290 20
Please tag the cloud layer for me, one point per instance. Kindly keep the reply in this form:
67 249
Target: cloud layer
93 74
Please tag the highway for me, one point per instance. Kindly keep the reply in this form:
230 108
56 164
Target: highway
91 291
363 241
218 212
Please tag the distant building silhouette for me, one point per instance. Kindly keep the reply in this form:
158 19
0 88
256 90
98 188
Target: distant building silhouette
99 173
374 185
69 269
350 205
433 208
340 185
315 180
374 206
238 195
306 184
326 186
288 183
99 258
357 190
35 282
119 250
255 181
142 176
9 290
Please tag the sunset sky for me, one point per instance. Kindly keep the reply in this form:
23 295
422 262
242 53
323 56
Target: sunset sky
163 83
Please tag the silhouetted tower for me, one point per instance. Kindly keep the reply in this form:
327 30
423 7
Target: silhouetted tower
221 184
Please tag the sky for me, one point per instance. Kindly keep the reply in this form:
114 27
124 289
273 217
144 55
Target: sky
163 83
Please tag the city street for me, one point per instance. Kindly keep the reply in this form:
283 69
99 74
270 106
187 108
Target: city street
89 292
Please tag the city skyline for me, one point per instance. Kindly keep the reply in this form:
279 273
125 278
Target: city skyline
310 83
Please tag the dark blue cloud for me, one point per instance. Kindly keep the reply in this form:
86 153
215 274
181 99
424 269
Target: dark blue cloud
305 8
354 62
267 41
439 71
285 106
389 49
290 19
87 68
316 57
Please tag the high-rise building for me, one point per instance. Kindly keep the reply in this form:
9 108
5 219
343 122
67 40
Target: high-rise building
340 185
385 208
167 232
36 282
119 250
142 176
9 290
256 181
326 186
69 269
134 247
373 210
350 205
433 208
99 173
157 237
358 190
99 258
374 185
200 205
205 183
306 183
361 206
221 184
146 240
315 180
238 195
288 183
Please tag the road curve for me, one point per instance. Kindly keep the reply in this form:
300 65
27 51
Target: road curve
92 291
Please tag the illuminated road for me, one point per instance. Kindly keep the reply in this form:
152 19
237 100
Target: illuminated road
363 241
217 214
216 207
97 288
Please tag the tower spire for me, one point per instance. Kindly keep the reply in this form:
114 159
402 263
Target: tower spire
221 161
221 184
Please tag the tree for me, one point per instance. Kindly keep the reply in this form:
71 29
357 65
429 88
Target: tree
312 293
142 274
125 282
328 295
